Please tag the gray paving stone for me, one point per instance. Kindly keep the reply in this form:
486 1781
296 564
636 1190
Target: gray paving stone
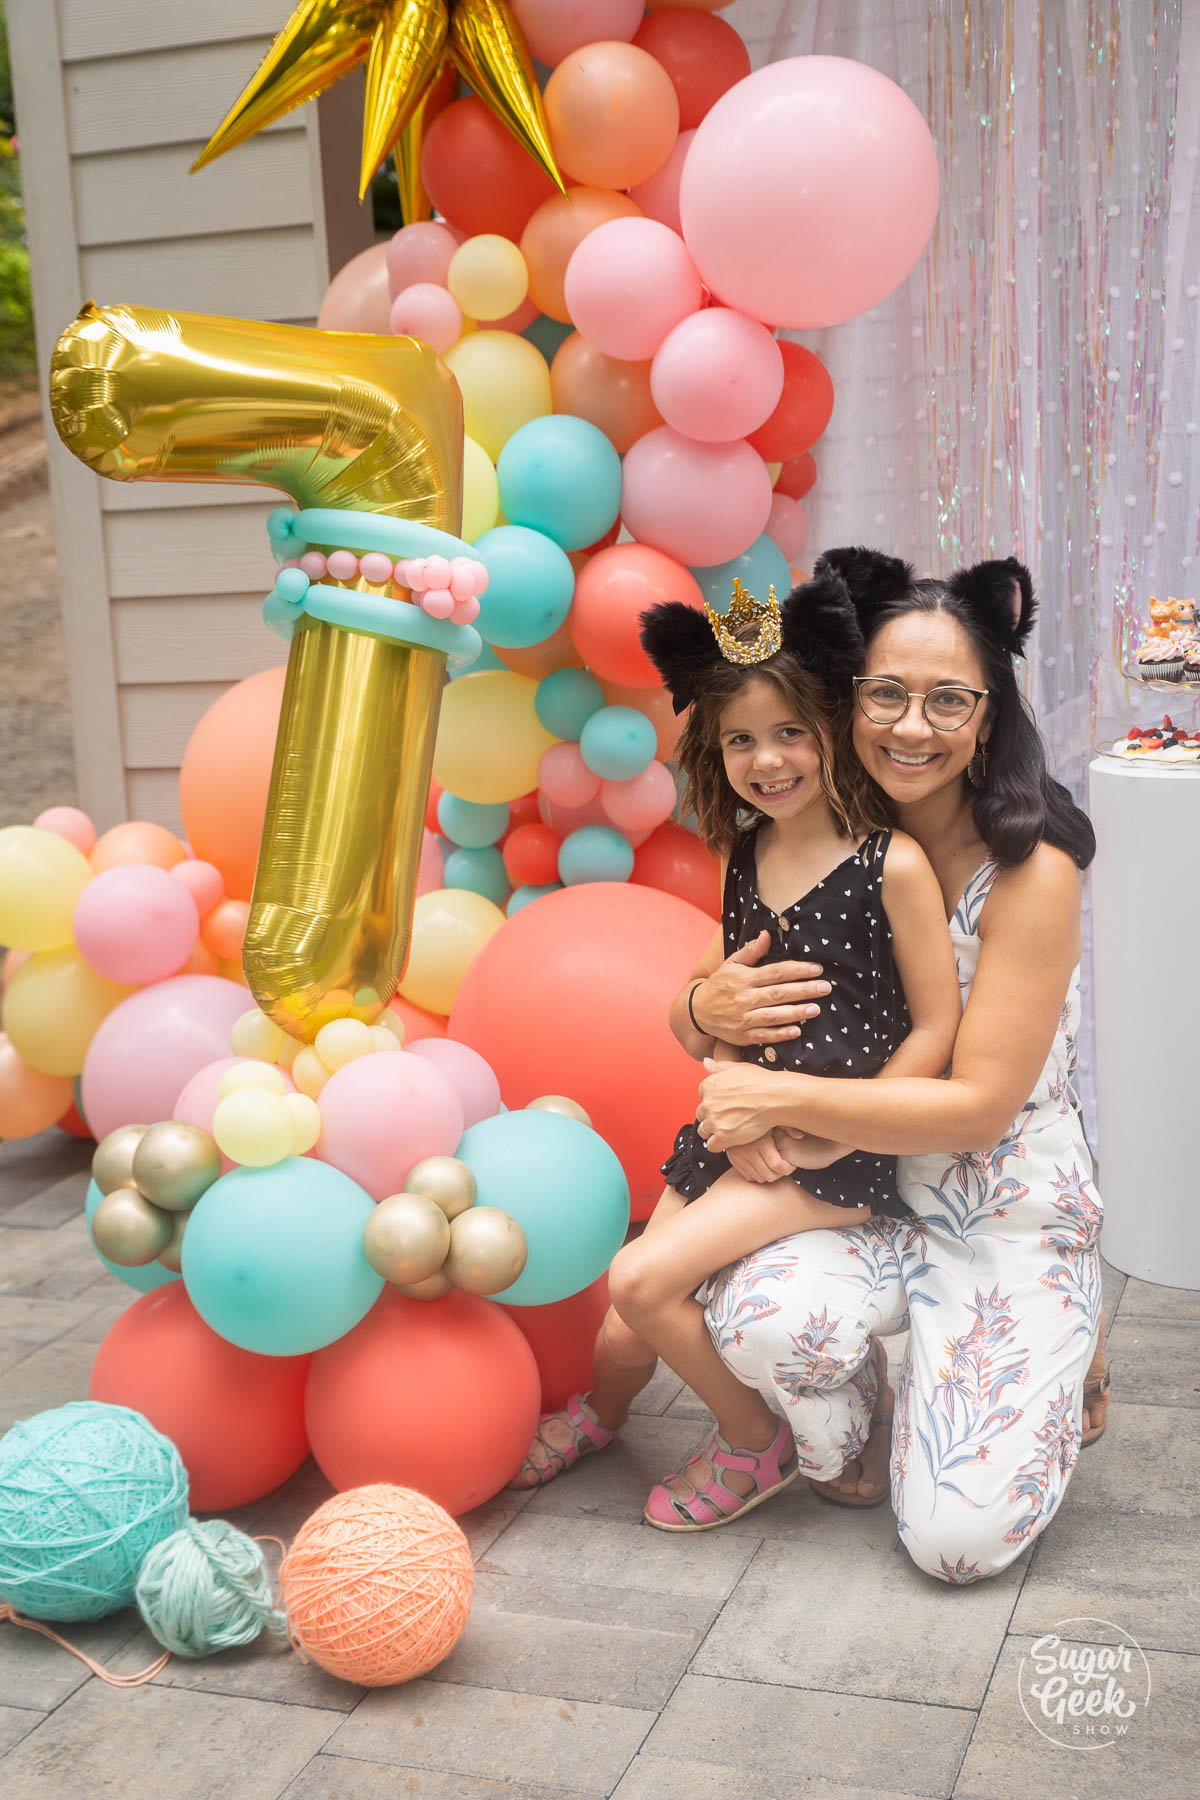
1147 1461
485 1731
1112 1282
163 1744
1008 1759
268 1669
51 1206
609 1555
48 1377
27 1323
340 1778
100 1308
832 1612
666 1778
27 1165
54 1265
15 1723
1155 1362
1146 1300
829 1738
1136 1569
38 1674
658 1395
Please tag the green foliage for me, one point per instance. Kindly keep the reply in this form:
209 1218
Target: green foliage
16 309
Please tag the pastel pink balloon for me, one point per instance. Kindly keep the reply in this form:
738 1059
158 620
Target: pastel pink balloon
429 871
357 299
642 802
630 282
149 1047
787 525
553 28
564 778
428 312
701 503
382 1113
717 376
473 1079
198 1101
659 196
809 192
203 881
566 819
134 924
68 822
419 253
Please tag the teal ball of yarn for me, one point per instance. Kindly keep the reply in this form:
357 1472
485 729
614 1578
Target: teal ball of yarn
85 1491
205 1588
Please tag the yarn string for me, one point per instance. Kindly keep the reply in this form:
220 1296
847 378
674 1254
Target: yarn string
10 1615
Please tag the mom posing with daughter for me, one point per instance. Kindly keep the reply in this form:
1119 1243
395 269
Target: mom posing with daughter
983 1237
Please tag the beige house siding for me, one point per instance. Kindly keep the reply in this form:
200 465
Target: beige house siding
163 583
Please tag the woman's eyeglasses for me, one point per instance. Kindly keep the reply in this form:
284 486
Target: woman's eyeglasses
887 702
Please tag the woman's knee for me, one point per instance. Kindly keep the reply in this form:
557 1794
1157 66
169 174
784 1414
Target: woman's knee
974 1550
778 1323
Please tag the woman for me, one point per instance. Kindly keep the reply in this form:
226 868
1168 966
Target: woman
997 1271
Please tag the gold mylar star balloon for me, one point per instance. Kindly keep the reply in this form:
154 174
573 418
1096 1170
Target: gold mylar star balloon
402 42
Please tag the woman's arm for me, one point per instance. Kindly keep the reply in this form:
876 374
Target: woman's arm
1029 946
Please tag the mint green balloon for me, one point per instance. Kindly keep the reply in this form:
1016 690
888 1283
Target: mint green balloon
565 700
565 1188
594 853
472 823
560 474
618 742
530 586
524 896
480 870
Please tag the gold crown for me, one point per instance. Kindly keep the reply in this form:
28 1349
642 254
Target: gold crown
746 610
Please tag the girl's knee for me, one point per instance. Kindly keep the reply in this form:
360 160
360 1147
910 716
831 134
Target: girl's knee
635 1282
625 1347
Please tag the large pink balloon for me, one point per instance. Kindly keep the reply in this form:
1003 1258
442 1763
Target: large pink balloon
628 284
383 1113
150 1046
717 376
809 192
471 1077
134 924
701 503
357 299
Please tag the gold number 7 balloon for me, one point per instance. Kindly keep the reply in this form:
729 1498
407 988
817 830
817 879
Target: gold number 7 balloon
339 421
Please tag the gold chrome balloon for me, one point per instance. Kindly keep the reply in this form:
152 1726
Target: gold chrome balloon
172 1257
406 1238
174 1164
558 1103
449 1183
487 1250
128 1230
414 201
402 42
436 1288
112 1164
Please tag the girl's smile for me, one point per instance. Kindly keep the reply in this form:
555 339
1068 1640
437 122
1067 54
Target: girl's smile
772 761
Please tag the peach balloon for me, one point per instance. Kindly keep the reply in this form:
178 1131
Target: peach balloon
225 928
30 1101
659 196
358 299
555 232
225 775
14 958
68 822
555 652
614 396
613 114
138 841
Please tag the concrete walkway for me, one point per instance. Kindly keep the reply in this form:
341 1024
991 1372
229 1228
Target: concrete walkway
797 1652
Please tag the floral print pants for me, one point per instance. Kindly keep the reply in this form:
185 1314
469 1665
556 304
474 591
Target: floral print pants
998 1280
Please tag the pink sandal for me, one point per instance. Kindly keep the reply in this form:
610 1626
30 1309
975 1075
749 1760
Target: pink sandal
545 1460
715 1503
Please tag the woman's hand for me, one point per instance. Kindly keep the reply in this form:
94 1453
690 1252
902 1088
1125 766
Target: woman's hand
747 1002
736 1102
764 1160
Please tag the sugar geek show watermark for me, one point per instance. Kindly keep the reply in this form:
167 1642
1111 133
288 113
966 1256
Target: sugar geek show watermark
1083 1693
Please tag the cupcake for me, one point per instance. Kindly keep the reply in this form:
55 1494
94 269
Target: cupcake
1160 660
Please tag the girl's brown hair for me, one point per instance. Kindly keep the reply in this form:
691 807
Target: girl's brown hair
855 801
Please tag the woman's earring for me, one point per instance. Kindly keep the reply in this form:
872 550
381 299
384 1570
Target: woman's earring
977 767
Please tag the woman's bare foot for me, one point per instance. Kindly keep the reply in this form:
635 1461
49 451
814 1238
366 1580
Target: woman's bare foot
1095 1392
864 1480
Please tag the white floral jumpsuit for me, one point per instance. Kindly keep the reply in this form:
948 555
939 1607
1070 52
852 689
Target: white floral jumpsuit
998 1279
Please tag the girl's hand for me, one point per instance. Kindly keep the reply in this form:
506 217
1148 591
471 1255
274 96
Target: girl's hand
801 1151
762 1161
735 1104
745 1001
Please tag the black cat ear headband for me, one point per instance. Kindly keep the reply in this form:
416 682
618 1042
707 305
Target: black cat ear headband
816 624
999 593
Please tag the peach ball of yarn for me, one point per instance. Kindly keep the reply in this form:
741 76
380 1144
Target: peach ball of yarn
377 1585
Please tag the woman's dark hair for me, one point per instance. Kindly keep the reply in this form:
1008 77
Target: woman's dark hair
1020 805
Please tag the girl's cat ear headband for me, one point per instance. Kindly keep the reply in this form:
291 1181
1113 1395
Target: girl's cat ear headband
816 624
999 593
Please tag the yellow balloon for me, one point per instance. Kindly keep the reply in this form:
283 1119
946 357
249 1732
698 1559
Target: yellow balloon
505 382
41 878
52 1007
252 1074
342 1041
309 1072
256 1035
481 491
254 1127
490 739
488 276
306 1122
450 928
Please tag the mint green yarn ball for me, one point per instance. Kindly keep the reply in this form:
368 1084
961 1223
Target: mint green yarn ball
206 1588
85 1491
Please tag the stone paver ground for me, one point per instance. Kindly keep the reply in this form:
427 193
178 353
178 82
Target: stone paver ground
797 1652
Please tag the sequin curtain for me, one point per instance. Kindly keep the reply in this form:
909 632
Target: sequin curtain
1034 387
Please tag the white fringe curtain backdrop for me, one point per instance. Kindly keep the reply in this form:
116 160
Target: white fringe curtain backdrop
1034 387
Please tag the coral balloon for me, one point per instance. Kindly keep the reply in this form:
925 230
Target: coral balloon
554 233
613 115
471 1078
149 1047
641 802
787 526
388 1401
53 1007
611 593
135 924
674 860
30 1101
428 312
357 299
701 503
629 283
477 175
137 841
810 191
68 822
565 779
489 737
804 410
225 775
531 856
504 382
382 1113
553 29
518 1006
419 253
237 1419
717 376
796 476
41 878
704 57
610 394
450 927
416 1021
562 1337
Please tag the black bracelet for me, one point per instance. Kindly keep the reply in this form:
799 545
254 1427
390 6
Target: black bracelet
692 1010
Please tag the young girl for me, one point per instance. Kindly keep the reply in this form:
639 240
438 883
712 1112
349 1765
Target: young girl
770 693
